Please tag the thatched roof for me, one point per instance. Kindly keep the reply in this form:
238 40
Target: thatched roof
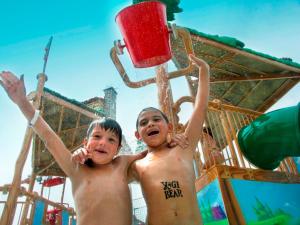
69 119
231 64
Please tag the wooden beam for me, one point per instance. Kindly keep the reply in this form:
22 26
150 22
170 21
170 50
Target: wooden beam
287 85
225 71
224 58
62 109
256 77
70 106
218 106
73 129
249 93
228 90
246 54
233 202
251 70
76 128
229 138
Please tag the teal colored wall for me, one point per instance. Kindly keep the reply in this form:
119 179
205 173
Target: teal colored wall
267 203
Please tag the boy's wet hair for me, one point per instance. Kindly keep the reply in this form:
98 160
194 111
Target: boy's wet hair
208 131
150 109
106 124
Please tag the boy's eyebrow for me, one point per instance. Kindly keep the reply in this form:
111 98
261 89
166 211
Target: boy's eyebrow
113 134
155 116
142 119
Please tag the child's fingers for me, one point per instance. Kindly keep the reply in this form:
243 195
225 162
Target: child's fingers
79 156
84 155
4 82
9 77
198 62
182 141
87 152
172 144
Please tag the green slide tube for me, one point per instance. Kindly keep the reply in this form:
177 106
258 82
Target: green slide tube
272 137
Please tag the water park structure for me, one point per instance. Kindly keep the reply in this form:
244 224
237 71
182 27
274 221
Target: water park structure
233 186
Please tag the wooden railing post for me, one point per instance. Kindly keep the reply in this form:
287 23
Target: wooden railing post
228 138
27 202
8 214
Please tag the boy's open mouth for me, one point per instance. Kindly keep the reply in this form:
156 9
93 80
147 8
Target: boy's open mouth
100 151
153 132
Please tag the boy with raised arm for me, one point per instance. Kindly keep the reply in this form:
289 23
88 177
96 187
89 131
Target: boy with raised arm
100 188
167 176
100 192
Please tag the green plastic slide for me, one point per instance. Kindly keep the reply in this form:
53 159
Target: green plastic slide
272 137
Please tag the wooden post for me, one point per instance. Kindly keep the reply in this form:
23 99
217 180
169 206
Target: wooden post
233 210
63 191
165 98
27 202
235 139
32 211
11 203
228 138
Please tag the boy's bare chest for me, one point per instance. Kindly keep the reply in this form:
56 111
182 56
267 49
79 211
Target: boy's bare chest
168 175
97 186
170 165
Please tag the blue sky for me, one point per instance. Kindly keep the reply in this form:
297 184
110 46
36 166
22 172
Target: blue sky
83 32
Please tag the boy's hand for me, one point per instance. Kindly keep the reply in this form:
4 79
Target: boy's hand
81 155
179 139
13 86
198 62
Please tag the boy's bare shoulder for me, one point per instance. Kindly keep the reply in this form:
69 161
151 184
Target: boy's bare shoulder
126 159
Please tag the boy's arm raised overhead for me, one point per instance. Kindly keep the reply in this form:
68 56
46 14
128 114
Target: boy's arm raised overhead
194 127
15 89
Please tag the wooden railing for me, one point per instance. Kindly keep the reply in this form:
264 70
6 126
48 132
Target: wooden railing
34 197
219 143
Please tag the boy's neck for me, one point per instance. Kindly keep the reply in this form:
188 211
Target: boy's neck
159 148
106 166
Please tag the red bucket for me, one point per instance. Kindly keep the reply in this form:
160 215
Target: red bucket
145 32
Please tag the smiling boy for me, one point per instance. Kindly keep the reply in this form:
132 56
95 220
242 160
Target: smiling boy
100 191
167 175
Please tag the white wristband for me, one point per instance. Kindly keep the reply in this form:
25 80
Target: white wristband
34 118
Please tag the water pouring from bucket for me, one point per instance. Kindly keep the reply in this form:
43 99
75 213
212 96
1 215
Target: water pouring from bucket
147 38
145 32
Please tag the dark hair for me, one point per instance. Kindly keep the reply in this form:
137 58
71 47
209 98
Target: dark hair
208 131
150 109
106 124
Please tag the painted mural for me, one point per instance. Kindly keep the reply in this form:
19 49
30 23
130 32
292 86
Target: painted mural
211 205
266 203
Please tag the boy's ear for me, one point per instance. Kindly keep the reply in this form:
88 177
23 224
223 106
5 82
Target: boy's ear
170 127
137 135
